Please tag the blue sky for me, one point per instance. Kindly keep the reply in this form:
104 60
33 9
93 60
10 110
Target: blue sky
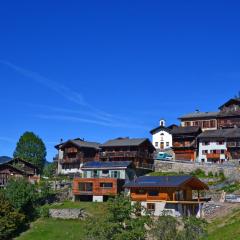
103 69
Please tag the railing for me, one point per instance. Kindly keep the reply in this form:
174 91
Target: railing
213 155
126 154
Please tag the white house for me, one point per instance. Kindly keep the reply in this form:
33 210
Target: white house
161 136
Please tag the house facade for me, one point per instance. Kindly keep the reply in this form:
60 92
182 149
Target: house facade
162 136
101 180
138 150
228 116
168 194
185 144
73 153
219 145
17 168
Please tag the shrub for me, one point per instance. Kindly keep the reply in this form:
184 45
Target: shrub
199 173
22 195
210 174
43 211
10 219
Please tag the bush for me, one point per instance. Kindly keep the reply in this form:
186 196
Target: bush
199 173
210 174
43 211
11 220
22 195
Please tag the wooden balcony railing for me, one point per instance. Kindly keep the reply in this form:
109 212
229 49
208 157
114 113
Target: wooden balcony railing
126 154
213 155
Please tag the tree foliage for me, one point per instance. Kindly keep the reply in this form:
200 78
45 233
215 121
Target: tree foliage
49 169
32 149
22 195
10 219
120 222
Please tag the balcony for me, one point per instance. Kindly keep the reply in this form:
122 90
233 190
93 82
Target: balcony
213 155
126 154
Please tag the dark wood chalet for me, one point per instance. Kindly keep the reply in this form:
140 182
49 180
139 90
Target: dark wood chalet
228 116
73 153
138 150
185 142
17 168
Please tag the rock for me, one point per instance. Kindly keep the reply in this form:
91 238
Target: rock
68 213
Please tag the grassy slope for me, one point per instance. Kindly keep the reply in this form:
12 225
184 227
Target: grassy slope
47 228
226 228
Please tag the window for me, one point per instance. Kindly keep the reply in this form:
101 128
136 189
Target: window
222 151
206 143
105 171
187 124
153 193
151 207
162 134
156 144
206 124
106 185
115 174
86 187
220 143
212 123
167 144
204 152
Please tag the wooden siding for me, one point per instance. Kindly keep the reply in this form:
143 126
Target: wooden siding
97 190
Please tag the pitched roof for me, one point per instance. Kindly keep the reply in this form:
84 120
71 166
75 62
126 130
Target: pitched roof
221 133
230 102
106 165
159 128
199 115
166 181
186 130
80 143
5 159
123 142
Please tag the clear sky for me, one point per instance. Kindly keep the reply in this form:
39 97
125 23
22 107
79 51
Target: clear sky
104 69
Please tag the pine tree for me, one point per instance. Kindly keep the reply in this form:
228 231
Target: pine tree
32 149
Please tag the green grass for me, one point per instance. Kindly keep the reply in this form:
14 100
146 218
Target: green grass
225 228
51 229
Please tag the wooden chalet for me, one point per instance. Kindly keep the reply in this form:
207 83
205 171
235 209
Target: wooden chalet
73 153
138 150
17 168
185 142
169 194
102 179
228 116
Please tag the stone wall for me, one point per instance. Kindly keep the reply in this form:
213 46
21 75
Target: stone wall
174 166
68 213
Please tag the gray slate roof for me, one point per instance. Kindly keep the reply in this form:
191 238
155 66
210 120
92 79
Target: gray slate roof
221 133
80 143
159 128
122 142
185 130
199 115
5 159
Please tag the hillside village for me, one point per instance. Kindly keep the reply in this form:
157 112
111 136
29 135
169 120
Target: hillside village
190 169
